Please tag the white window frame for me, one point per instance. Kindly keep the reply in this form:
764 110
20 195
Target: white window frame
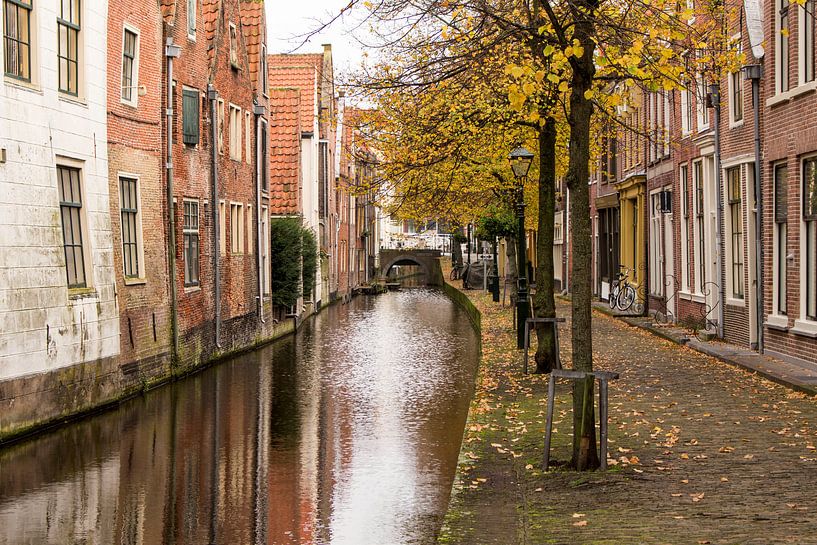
686 110
222 227
782 64
233 36
248 136
235 132
805 324
84 229
806 35
192 285
729 258
777 317
683 174
263 71
699 253
701 111
134 86
220 126
738 78
248 239
236 228
656 249
140 246
192 16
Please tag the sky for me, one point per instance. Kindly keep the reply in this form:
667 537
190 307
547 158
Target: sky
288 21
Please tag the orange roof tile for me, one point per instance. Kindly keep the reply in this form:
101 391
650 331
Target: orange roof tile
210 10
253 27
301 72
285 151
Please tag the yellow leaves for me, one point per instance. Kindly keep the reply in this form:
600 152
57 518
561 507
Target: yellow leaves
514 71
553 78
580 523
563 87
548 51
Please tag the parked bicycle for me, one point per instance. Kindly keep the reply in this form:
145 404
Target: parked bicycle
622 293
456 271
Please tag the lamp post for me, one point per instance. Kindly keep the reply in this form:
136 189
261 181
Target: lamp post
520 160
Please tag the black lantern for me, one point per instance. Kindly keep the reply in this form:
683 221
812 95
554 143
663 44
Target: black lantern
520 160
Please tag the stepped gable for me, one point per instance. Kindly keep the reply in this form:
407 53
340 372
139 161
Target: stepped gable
168 10
285 150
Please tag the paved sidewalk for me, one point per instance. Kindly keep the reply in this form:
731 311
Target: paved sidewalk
703 452
798 376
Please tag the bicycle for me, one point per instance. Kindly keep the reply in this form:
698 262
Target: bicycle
456 271
622 294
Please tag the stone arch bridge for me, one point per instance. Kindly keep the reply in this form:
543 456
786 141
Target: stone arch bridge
427 260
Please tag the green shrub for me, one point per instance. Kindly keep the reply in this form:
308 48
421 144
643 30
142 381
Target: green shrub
286 236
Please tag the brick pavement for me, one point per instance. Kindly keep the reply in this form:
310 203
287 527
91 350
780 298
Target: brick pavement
705 452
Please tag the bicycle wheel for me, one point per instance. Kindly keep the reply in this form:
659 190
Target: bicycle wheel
454 274
626 297
614 296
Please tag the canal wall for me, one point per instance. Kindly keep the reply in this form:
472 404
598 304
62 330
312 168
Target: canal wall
34 402
465 303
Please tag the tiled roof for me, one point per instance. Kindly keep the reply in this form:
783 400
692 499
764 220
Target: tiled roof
209 17
253 27
285 151
168 10
300 72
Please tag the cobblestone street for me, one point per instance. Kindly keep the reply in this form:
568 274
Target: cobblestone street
704 452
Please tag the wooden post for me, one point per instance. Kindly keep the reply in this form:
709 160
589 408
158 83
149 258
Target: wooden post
549 424
603 420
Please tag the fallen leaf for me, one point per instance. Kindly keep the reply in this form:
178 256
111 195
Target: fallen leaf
697 497
684 456
724 480
580 523
578 515
676 495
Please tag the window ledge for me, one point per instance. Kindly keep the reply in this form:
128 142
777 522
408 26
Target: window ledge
192 289
781 98
22 84
72 99
734 302
694 297
805 328
777 321
736 124
81 293
135 281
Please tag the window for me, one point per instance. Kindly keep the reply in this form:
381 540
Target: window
263 157
236 228
131 228
263 70
686 111
806 38
191 18
190 116
265 242
68 27
71 214
130 68
702 111
736 227
233 46
220 125
248 136
17 38
235 132
810 220
780 237
656 249
698 181
222 227
667 115
191 243
249 238
736 96
782 47
683 174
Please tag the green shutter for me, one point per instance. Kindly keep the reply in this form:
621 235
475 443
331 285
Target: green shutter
190 116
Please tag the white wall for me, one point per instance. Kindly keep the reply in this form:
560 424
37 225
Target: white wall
42 325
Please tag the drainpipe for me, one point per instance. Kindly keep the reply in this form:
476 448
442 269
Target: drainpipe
212 96
754 73
258 112
715 97
172 51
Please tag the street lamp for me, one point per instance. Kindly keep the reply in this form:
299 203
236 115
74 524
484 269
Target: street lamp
520 160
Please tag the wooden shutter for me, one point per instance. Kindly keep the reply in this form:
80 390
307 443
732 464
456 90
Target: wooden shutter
190 116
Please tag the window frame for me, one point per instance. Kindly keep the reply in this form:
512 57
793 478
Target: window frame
220 125
233 36
807 35
74 210
683 175
192 15
734 193
699 202
248 136
235 129
71 28
809 279
133 99
782 47
780 243
194 96
263 70
190 233
136 211
236 228
29 12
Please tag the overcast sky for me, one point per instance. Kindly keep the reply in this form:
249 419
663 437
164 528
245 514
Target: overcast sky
288 21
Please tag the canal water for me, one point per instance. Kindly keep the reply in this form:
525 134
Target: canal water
347 433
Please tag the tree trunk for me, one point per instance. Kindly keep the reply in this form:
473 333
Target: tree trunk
585 456
456 249
543 300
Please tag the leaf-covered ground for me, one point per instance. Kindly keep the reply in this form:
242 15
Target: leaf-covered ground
701 452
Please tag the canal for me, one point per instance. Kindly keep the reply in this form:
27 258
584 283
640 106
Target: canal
346 433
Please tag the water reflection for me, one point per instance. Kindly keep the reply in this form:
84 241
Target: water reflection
345 434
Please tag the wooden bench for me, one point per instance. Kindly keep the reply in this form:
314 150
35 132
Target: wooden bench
528 328
603 377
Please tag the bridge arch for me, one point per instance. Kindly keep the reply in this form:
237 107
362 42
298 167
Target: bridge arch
427 260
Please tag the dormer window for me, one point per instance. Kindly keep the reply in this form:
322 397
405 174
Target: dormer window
233 46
